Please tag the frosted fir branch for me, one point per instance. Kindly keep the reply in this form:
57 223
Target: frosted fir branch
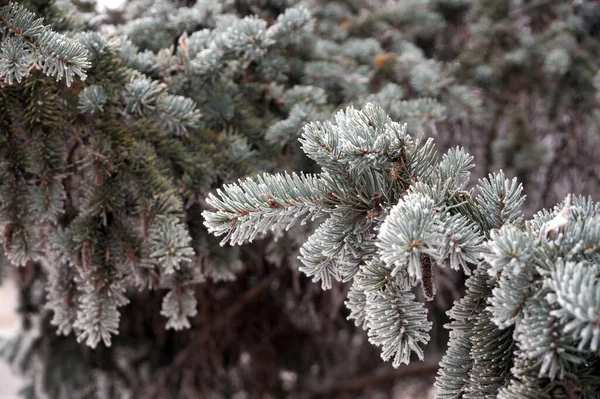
423 159
92 99
398 324
387 98
268 202
61 56
363 50
19 20
461 242
21 244
359 139
331 251
170 244
178 114
320 260
456 366
407 233
508 248
47 201
500 200
291 27
510 296
246 39
539 339
98 45
208 64
454 169
15 59
463 101
290 128
491 363
62 297
375 174
302 94
576 289
418 111
425 78
98 316
376 275
356 302
453 375
178 306
31 41
140 95
238 149
364 153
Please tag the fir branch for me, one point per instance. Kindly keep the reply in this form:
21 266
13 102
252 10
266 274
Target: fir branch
58 55
255 206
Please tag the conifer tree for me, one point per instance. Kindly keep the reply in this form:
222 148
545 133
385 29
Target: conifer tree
528 325
116 138
137 158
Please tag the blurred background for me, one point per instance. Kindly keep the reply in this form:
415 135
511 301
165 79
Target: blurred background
9 325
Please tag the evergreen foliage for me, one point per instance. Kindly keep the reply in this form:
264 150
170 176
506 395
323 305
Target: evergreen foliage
394 212
306 128
28 41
